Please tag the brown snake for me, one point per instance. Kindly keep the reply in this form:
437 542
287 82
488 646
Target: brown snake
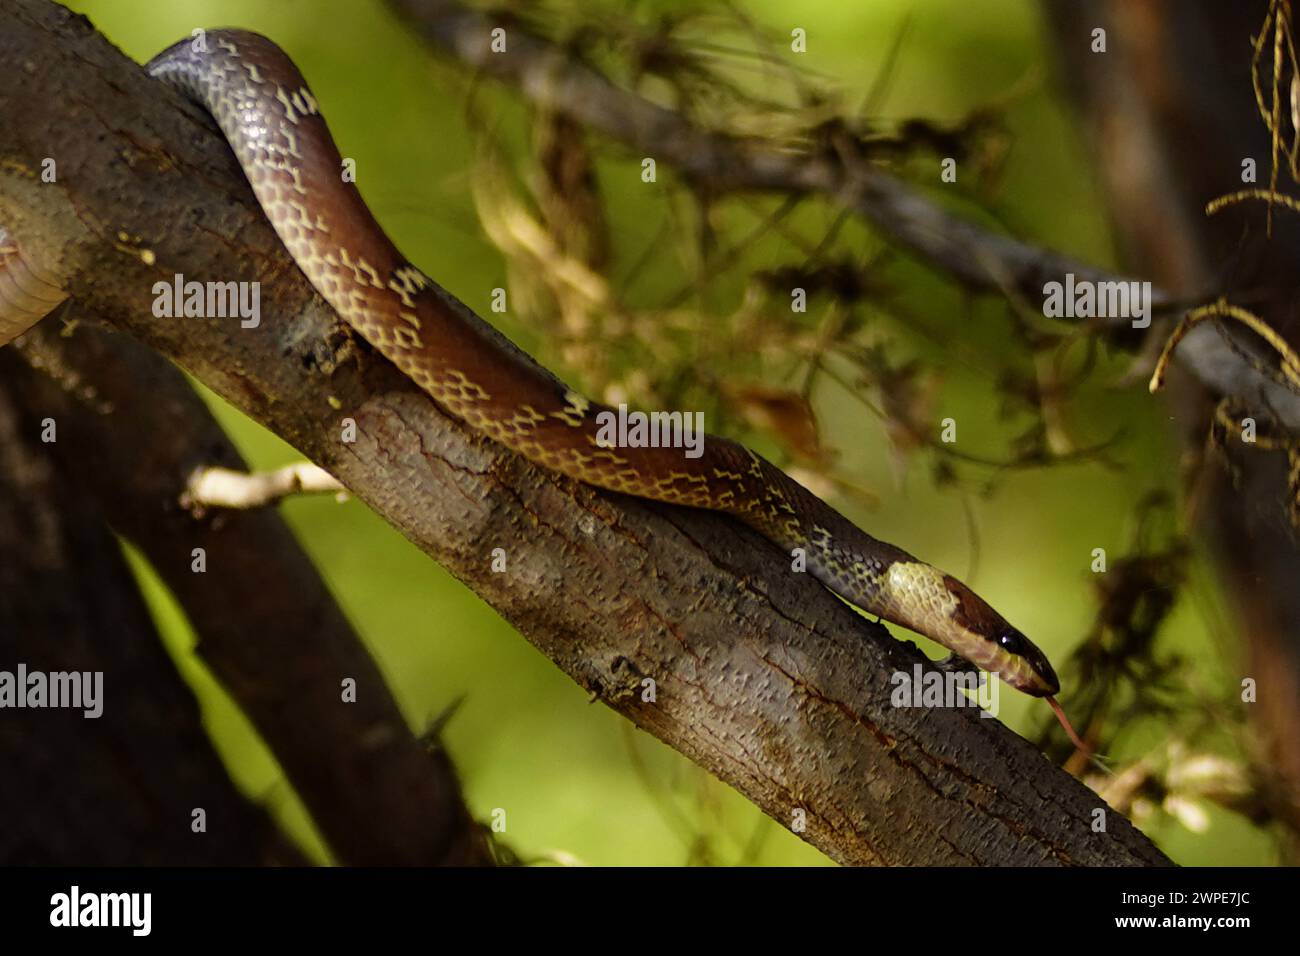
271 120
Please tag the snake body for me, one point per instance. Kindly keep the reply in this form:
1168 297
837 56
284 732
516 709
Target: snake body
273 124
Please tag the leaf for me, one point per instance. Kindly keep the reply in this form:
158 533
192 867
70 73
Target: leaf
782 412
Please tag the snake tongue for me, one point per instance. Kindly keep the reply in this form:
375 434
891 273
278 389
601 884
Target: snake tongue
1069 728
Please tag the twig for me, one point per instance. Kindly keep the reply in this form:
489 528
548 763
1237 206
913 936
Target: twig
224 488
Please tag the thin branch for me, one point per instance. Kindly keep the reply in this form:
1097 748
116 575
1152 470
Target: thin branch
969 253
226 488
550 77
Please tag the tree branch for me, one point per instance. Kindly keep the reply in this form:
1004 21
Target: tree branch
1191 147
85 790
550 77
131 430
763 677
969 253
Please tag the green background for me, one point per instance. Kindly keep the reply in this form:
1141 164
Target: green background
577 782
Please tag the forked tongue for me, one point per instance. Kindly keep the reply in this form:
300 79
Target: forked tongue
1069 729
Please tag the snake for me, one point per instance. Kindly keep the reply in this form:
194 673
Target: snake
274 126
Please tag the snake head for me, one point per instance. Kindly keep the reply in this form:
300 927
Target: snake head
920 596
1027 668
991 642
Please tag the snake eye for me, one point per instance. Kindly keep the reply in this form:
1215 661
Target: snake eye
1012 643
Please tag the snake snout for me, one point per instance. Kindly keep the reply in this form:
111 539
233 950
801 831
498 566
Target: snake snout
1028 668
998 646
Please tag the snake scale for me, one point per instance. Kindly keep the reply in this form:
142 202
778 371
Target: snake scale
274 126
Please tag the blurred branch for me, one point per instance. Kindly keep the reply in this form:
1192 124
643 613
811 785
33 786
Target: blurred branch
1170 113
132 430
119 788
753 668
550 77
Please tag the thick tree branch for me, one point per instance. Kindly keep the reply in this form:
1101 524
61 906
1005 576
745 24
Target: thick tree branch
762 676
